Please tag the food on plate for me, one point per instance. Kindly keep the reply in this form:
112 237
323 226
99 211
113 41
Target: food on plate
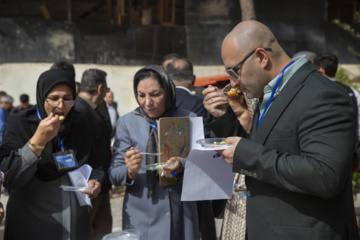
220 143
233 92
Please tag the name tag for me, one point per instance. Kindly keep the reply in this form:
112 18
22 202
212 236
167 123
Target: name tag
65 160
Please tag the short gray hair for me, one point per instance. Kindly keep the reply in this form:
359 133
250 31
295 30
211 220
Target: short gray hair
6 99
309 55
91 79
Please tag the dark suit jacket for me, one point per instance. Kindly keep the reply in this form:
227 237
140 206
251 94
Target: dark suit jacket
101 152
102 109
198 92
192 103
298 162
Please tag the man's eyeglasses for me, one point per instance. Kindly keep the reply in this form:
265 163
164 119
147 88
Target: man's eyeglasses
232 71
56 102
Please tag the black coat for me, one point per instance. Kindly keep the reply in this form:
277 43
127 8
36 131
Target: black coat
100 151
193 103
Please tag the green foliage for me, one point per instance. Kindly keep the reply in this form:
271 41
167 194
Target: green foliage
347 28
357 17
350 30
343 77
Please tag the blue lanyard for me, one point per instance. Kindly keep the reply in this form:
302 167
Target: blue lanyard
61 143
154 126
273 92
61 140
37 110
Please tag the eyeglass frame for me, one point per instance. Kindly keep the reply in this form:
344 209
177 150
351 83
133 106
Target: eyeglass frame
232 70
66 102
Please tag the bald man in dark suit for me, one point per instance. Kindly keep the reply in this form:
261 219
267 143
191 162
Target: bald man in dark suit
298 156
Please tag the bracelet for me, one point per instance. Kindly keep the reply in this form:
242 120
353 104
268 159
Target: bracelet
35 145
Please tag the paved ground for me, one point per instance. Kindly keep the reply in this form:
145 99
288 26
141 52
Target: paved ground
116 207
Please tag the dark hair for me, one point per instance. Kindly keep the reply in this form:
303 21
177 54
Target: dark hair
146 73
171 56
162 77
91 79
63 65
328 62
24 98
180 70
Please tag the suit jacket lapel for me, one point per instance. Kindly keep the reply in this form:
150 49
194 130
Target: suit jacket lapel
280 103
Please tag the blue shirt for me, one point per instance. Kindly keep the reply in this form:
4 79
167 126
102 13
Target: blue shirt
299 61
3 117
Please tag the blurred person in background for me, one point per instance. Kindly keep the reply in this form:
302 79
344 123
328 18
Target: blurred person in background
168 59
5 105
93 88
24 104
112 109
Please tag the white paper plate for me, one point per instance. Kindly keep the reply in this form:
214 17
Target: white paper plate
214 143
151 154
76 189
155 166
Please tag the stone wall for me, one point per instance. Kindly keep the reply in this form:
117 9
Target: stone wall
298 25
19 78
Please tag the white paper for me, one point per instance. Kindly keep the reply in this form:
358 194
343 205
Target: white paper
196 131
207 176
80 178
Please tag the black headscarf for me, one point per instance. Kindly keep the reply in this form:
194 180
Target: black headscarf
170 99
22 126
46 82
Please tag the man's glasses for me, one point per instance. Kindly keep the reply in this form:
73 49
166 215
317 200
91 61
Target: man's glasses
232 71
56 102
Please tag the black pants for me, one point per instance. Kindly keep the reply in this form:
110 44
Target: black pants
206 220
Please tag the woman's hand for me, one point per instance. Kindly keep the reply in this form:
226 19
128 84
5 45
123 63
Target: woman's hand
133 163
173 167
93 183
48 129
215 102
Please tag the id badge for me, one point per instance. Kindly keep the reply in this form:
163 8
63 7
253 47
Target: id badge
65 160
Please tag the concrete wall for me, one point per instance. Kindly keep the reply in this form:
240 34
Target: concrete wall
18 78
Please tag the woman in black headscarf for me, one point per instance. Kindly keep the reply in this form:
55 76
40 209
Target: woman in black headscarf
40 146
155 210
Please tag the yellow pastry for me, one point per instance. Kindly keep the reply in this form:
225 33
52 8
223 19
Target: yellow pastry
233 92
